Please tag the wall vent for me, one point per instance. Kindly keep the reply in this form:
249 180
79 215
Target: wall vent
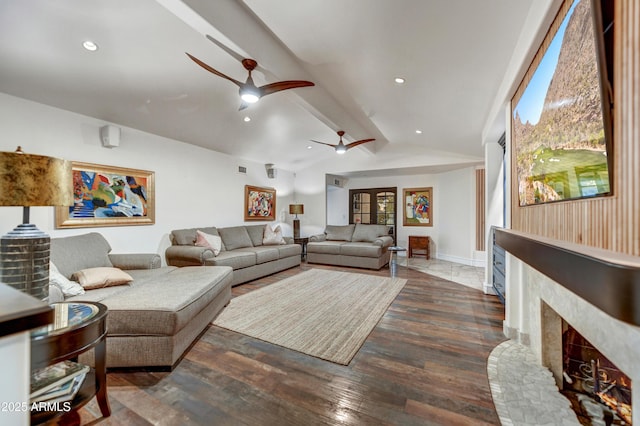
242 169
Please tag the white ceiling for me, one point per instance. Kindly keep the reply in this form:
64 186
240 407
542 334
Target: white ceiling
452 53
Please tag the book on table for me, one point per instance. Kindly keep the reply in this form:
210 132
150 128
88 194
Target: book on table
55 377
65 392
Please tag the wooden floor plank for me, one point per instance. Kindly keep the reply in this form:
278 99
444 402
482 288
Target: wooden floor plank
424 363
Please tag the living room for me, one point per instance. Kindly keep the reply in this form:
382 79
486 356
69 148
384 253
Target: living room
197 186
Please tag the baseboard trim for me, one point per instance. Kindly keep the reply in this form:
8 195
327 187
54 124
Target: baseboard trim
479 263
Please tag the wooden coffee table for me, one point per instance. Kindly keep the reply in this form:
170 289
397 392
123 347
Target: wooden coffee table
77 327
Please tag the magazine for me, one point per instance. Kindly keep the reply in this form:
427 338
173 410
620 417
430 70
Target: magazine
65 392
53 376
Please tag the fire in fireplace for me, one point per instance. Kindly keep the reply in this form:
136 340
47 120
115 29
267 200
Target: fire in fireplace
599 392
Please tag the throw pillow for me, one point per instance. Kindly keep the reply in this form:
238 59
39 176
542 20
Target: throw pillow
66 286
272 237
92 278
212 242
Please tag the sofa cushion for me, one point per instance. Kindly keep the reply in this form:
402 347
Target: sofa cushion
71 254
235 237
264 254
101 277
339 233
165 304
187 237
212 242
237 259
325 247
369 233
256 233
289 250
360 249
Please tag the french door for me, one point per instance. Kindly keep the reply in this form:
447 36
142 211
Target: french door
374 205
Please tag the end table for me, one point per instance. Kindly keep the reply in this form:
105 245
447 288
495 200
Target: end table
77 327
303 242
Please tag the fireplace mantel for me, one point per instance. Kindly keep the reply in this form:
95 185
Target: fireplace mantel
607 280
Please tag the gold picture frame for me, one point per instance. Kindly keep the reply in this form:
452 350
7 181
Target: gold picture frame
108 196
259 203
417 207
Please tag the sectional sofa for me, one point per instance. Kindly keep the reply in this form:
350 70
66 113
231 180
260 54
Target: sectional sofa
359 246
153 318
242 248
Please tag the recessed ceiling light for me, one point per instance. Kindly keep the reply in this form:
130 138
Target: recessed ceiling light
399 80
309 147
419 131
247 119
89 45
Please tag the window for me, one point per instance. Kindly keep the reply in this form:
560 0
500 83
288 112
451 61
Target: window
374 205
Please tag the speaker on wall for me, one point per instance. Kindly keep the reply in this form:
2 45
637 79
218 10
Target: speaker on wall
110 136
271 170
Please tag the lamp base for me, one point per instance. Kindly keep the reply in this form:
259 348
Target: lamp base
296 228
24 260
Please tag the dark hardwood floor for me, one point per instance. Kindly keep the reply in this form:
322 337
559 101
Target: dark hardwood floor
423 364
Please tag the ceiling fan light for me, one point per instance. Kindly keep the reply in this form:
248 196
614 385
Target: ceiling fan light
341 149
249 95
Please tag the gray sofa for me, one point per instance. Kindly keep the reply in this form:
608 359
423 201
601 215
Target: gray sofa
242 249
152 320
359 246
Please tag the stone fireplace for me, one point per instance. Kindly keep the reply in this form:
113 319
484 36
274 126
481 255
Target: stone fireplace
545 303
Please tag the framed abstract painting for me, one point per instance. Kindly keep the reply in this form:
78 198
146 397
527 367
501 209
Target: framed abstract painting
418 207
108 196
259 203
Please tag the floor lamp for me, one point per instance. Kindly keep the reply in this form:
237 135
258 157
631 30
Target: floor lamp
30 180
296 209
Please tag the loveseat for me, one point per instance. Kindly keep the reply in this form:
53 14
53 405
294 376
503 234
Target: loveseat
152 319
359 246
242 247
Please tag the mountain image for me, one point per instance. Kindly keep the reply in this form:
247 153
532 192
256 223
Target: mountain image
571 118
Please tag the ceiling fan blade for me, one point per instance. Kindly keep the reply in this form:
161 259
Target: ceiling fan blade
268 89
214 71
324 143
356 143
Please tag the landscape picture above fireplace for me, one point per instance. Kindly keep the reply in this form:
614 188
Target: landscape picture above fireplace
561 132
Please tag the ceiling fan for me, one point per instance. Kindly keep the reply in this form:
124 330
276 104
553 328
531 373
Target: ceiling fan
249 93
341 148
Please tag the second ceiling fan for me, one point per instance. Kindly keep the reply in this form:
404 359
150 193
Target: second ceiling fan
341 148
249 93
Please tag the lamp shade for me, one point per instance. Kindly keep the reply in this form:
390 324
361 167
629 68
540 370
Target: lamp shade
296 208
34 180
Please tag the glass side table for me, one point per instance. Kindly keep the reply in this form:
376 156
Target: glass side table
77 327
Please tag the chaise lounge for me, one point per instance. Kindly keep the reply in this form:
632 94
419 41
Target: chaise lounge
154 318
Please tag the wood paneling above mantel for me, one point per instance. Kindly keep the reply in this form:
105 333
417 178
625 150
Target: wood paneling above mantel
611 223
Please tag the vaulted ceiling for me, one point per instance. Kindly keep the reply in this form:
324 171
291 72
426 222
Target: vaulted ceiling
452 55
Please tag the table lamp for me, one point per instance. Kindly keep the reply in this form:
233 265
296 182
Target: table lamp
296 209
30 180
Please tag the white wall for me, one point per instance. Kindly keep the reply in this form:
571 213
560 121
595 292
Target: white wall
337 205
194 186
453 230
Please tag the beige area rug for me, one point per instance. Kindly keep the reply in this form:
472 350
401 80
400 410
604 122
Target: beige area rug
323 313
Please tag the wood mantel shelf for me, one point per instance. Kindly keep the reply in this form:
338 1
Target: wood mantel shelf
607 280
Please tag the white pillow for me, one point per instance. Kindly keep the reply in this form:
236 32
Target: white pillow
209 241
272 237
68 287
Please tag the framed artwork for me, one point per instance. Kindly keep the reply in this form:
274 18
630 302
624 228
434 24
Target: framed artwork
418 206
561 121
259 203
108 196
